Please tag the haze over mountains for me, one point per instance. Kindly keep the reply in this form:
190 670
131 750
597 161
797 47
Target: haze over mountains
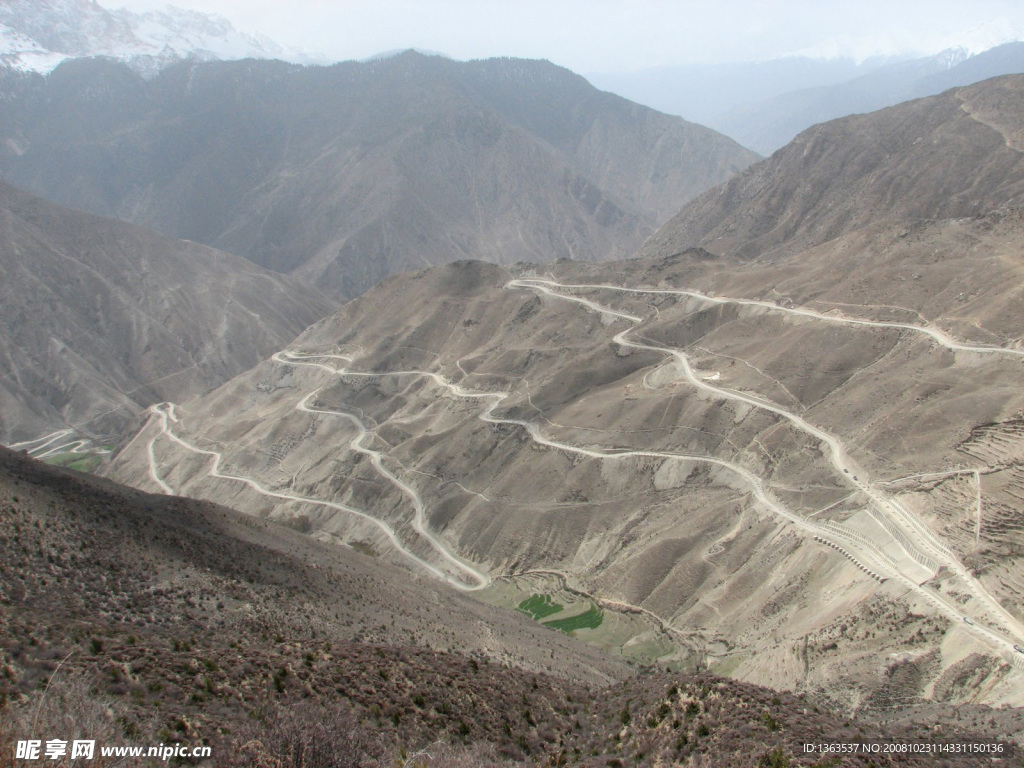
342 175
99 318
948 156
764 105
786 440
338 176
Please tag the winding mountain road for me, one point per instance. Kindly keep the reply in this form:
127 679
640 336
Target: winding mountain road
870 561
909 533
936 334
921 550
162 414
44 448
419 522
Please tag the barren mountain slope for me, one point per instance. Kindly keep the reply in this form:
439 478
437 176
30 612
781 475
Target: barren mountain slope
100 318
956 154
262 572
348 173
189 623
805 469
715 479
214 620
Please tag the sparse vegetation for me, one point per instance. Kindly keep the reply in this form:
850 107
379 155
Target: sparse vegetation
80 462
162 645
539 606
589 619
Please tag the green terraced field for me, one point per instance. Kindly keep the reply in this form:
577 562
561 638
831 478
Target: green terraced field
539 606
589 619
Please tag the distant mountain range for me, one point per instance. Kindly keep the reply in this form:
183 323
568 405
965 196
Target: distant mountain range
705 92
764 105
342 175
37 35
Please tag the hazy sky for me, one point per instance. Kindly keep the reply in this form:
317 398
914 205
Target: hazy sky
616 35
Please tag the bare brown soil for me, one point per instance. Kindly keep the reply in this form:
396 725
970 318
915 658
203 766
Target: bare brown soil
190 624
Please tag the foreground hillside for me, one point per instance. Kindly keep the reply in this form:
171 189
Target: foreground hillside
98 319
345 174
193 624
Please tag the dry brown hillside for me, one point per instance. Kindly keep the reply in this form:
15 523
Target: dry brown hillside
546 428
99 318
953 155
151 619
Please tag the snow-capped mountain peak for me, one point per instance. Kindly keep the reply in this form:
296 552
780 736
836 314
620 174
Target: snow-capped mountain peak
22 52
36 35
195 34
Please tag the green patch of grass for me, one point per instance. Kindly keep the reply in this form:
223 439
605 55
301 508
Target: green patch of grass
61 459
589 619
539 606
82 462
648 650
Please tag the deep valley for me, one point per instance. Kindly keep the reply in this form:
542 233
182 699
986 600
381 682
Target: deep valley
415 411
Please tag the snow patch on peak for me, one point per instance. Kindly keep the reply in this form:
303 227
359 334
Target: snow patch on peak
22 53
191 34
950 57
38 35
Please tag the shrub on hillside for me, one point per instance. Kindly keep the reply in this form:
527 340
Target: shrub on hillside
303 736
67 708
